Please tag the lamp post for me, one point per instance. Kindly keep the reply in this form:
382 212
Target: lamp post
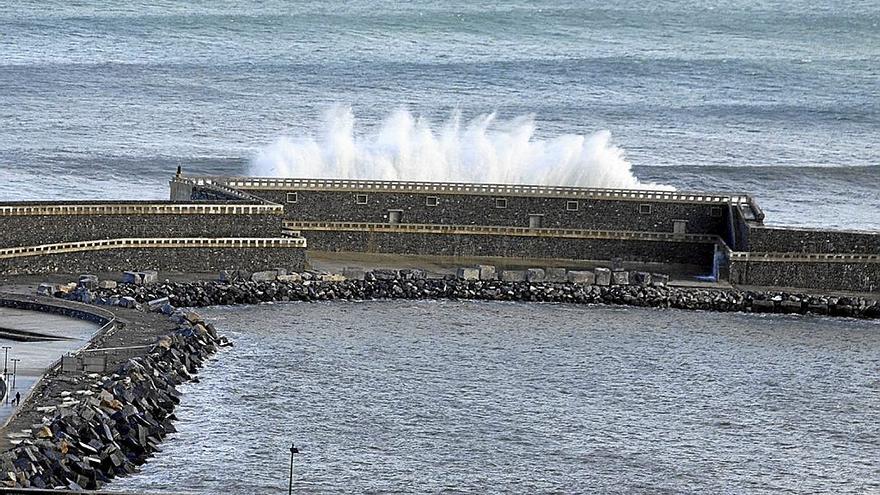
293 450
14 369
6 370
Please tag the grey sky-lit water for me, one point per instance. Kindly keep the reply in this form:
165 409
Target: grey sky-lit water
775 98
470 397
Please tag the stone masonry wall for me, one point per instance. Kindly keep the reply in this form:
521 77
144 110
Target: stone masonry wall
193 260
700 254
855 277
465 209
32 230
791 240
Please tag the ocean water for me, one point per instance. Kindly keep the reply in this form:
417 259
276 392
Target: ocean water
778 99
476 397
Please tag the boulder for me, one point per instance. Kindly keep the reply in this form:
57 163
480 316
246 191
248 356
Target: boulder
487 272
555 275
585 277
620 278
641 278
468 273
353 273
535 275
603 276
513 275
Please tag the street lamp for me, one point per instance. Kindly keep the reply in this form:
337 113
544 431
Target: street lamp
14 369
6 370
293 450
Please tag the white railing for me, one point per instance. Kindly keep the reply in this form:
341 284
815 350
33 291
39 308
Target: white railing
139 209
183 242
462 188
805 257
493 230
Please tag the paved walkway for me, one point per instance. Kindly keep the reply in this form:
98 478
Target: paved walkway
37 356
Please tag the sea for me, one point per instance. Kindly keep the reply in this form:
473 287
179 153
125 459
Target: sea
777 99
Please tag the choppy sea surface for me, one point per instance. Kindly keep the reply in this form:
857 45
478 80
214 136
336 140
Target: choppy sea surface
479 397
778 99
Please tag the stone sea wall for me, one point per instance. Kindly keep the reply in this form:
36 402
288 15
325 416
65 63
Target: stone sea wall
511 246
115 421
471 209
176 259
793 240
852 277
33 230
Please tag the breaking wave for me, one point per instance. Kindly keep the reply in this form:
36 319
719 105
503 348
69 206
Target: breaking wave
483 150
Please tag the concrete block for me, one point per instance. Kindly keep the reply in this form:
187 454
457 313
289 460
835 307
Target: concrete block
149 277
88 281
107 284
641 278
46 290
128 302
264 276
620 278
603 276
385 274
582 277
556 275
331 277
94 364
156 304
513 275
659 279
535 275
413 274
131 278
353 273
290 278
280 271
468 273
488 272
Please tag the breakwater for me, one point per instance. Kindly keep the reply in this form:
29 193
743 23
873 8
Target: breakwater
109 424
413 284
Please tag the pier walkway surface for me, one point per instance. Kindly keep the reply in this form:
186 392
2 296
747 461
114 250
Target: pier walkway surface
36 340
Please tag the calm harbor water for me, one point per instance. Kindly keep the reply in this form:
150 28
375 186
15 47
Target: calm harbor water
475 397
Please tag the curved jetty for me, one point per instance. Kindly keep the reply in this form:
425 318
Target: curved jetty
77 429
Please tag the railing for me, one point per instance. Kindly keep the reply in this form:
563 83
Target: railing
140 209
805 257
218 187
183 242
462 188
492 230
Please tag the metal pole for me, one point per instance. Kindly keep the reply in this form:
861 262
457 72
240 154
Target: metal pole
293 450
6 371
14 369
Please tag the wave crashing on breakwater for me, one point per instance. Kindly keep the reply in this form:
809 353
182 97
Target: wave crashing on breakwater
483 150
